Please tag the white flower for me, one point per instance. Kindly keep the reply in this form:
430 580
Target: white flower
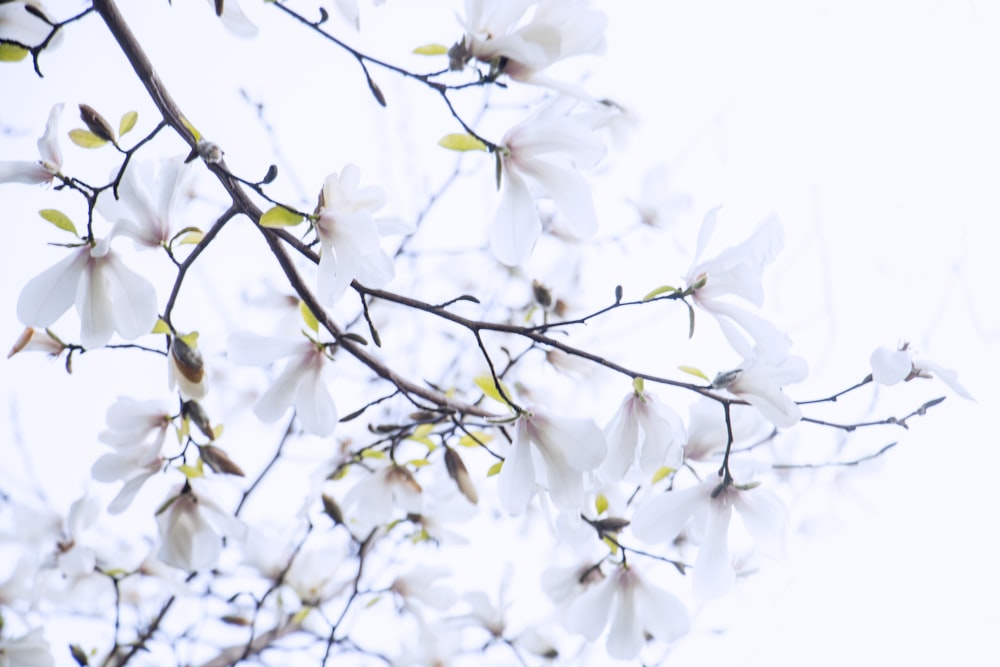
233 18
191 528
736 272
892 366
22 26
349 236
300 383
634 608
422 583
134 460
710 503
646 425
33 340
50 164
707 432
553 452
372 501
759 383
186 369
659 205
148 201
109 296
557 29
543 151
314 574
30 650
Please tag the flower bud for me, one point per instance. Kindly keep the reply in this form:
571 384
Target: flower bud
219 461
95 123
35 340
188 360
458 472
193 411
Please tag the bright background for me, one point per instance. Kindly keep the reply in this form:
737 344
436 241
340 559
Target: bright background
870 128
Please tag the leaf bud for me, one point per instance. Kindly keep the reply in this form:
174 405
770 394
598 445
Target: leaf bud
458 472
219 461
193 411
95 123
188 360
332 510
542 294
209 152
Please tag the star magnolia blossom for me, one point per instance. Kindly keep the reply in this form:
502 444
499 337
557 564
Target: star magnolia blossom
646 425
349 236
543 151
661 519
557 29
109 296
737 272
759 383
659 205
634 608
892 366
300 383
134 460
30 650
50 164
553 452
33 340
372 501
148 201
191 527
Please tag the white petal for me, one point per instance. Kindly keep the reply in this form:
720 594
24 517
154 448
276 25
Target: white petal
946 375
890 366
625 638
127 493
662 615
661 518
516 483
187 540
133 297
663 435
251 349
235 20
375 270
570 193
765 517
589 613
579 441
280 396
30 173
713 570
314 406
622 435
48 145
516 225
50 294
93 305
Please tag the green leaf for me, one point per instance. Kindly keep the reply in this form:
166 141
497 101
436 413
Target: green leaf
86 139
193 472
461 142
431 50
12 53
308 317
372 454
191 339
59 219
301 614
191 238
691 370
418 463
611 545
127 122
489 387
601 503
494 469
662 473
279 216
663 289
475 439
161 327
423 430
638 385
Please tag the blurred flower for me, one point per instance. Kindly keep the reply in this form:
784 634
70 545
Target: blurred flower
553 452
372 501
300 383
634 608
892 366
33 340
659 205
109 296
134 460
186 369
759 382
233 18
707 433
645 425
148 201
422 584
737 272
29 650
46 169
544 150
191 527
349 236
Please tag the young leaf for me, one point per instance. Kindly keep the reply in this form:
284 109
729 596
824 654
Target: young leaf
431 50
461 142
489 387
601 503
160 327
191 238
279 216
12 53
662 473
308 317
658 291
494 469
475 439
86 139
59 219
127 122
691 370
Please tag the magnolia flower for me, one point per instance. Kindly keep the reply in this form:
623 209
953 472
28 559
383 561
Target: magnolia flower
148 200
710 504
315 575
20 25
553 452
659 205
736 272
892 366
33 340
635 608
371 502
30 650
349 236
233 18
109 296
50 164
191 527
646 425
707 433
134 460
557 29
421 584
759 383
300 383
543 151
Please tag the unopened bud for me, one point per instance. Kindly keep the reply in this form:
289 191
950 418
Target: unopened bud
219 461
402 476
726 379
193 411
543 297
95 123
188 360
458 472
332 510
209 152
41 341
79 655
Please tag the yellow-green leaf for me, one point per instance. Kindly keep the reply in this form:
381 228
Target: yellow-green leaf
59 219
638 384
183 431
191 238
658 291
611 545
461 142
475 439
279 216
217 431
372 454
423 430
418 463
193 472
601 503
373 602
160 327
308 317
489 387
301 614
191 339
662 473
431 50
86 139
691 370
494 469
127 122
12 53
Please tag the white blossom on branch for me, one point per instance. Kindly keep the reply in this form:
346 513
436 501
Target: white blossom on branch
50 164
149 198
890 367
191 527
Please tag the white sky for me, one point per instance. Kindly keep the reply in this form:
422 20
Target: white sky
870 128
